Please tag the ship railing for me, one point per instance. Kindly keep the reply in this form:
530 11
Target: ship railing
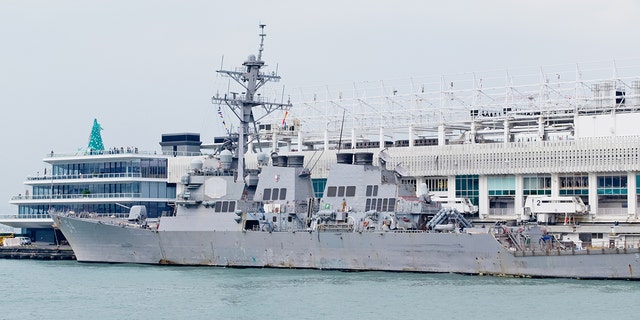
119 215
77 196
406 231
335 227
523 246
558 251
115 218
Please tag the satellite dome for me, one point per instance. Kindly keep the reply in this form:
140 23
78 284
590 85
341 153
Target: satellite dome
225 159
196 164
263 158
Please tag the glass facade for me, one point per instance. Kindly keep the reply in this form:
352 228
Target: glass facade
576 184
100 183
138 189
612 185
467 186
502 185
144 168
536 185
154 209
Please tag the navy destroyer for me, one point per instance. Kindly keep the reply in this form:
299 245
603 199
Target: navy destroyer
366 219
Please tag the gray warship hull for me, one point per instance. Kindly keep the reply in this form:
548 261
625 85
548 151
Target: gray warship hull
415 251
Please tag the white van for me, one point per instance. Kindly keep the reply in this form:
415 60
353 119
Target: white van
17 241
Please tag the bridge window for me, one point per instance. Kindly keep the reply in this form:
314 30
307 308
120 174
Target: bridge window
351 191
392 204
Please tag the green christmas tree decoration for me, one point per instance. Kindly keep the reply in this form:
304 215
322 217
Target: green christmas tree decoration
95 140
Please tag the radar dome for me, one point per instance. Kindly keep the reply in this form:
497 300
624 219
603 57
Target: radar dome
196 164
225 159
263 158
251 57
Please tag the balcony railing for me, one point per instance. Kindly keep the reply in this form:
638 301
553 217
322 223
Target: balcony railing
33 216
612 211
502 211
76 196
89 176
119 151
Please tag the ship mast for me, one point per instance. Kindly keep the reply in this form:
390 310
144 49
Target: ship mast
242 106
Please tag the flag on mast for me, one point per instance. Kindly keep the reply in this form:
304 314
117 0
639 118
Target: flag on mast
284 119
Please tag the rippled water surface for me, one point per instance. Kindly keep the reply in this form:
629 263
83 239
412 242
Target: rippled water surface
71 290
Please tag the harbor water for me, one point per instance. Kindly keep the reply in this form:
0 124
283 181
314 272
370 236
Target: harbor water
37 289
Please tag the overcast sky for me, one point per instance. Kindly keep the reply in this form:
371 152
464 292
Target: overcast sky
144 68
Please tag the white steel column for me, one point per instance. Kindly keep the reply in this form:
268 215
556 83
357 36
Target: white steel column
326 139
451 187
483 196
555 185
419 180
507 131
593 193
411 138
353 138
381 137
541 128
441 135
474 131
519 197
299 139
632 203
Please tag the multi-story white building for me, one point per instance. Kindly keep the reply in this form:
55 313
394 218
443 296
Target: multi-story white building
101 181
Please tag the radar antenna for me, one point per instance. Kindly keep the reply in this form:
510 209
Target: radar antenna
251 79
262 35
